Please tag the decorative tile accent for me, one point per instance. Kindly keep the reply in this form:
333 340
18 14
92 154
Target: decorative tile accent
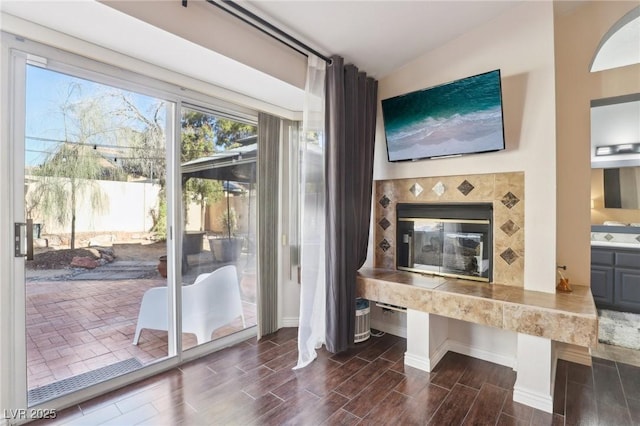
416 189
510 200
384 223
510 227
465 187
384 201
608 237
509 256
491 188
438 188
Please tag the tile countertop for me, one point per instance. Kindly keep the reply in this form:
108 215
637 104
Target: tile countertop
613 244
564 317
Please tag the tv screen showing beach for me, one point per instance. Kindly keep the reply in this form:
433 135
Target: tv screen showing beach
461 117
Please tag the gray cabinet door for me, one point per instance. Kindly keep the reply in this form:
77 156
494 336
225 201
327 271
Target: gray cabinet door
602 284
602 256
628 259
627 289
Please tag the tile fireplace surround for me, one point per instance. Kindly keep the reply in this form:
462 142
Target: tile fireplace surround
538 320
504 190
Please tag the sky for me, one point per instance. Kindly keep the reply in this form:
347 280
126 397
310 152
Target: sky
46 92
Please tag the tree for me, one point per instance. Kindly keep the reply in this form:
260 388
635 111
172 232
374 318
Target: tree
229 132
197 142
66 177
197 135
203 135
143 133
69 173
100 133
204 192
159 216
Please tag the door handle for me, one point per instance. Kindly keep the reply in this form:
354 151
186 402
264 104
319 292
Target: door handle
20 239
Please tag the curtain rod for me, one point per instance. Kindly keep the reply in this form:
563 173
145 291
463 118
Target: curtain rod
250 18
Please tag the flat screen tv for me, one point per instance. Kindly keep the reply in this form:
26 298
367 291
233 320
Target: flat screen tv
456 118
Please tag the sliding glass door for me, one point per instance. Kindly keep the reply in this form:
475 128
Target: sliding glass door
95 224
135 227
218 173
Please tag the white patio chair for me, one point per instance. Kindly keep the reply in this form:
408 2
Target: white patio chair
212 301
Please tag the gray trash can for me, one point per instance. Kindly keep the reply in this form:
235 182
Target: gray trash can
363 328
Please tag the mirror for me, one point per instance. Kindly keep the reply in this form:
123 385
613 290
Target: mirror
622 188
615 131
615 152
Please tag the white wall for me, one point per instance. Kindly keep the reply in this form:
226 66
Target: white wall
210 27
578 32
481 341
520 43
125 207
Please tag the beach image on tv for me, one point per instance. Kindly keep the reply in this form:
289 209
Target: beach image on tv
461 117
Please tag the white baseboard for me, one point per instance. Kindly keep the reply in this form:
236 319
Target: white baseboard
389 328
572 353
533 399
427 364
483 354
421 363
439 353
424 363
449 345
290 322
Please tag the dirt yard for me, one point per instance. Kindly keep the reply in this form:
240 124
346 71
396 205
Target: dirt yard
61 258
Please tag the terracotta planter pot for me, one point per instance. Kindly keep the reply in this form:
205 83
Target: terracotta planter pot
162 266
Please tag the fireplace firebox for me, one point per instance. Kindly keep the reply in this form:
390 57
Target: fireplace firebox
452 240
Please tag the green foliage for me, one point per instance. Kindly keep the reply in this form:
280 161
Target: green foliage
197 135
229 132
68 174
204 191
66 177
229 221
107 134
203 135
159 217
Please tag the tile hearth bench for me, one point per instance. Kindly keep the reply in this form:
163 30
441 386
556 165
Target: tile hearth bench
563 317
539 319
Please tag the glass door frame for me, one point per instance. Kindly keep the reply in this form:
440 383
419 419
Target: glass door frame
16 54
19 62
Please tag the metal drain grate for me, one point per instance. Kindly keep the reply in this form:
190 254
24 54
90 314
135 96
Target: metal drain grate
72 384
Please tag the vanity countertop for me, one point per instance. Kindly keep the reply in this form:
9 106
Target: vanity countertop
614 244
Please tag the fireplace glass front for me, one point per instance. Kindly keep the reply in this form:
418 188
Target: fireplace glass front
458 243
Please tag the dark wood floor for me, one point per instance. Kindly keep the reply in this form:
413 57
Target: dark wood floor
253 383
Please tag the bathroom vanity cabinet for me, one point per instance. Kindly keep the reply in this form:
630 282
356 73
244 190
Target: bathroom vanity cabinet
615 278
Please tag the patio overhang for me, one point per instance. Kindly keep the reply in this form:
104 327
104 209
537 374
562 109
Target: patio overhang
234 165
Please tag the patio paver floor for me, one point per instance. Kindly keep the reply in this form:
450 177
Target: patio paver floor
80 325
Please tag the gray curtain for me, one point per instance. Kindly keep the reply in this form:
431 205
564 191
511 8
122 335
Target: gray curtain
351 104
268 187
